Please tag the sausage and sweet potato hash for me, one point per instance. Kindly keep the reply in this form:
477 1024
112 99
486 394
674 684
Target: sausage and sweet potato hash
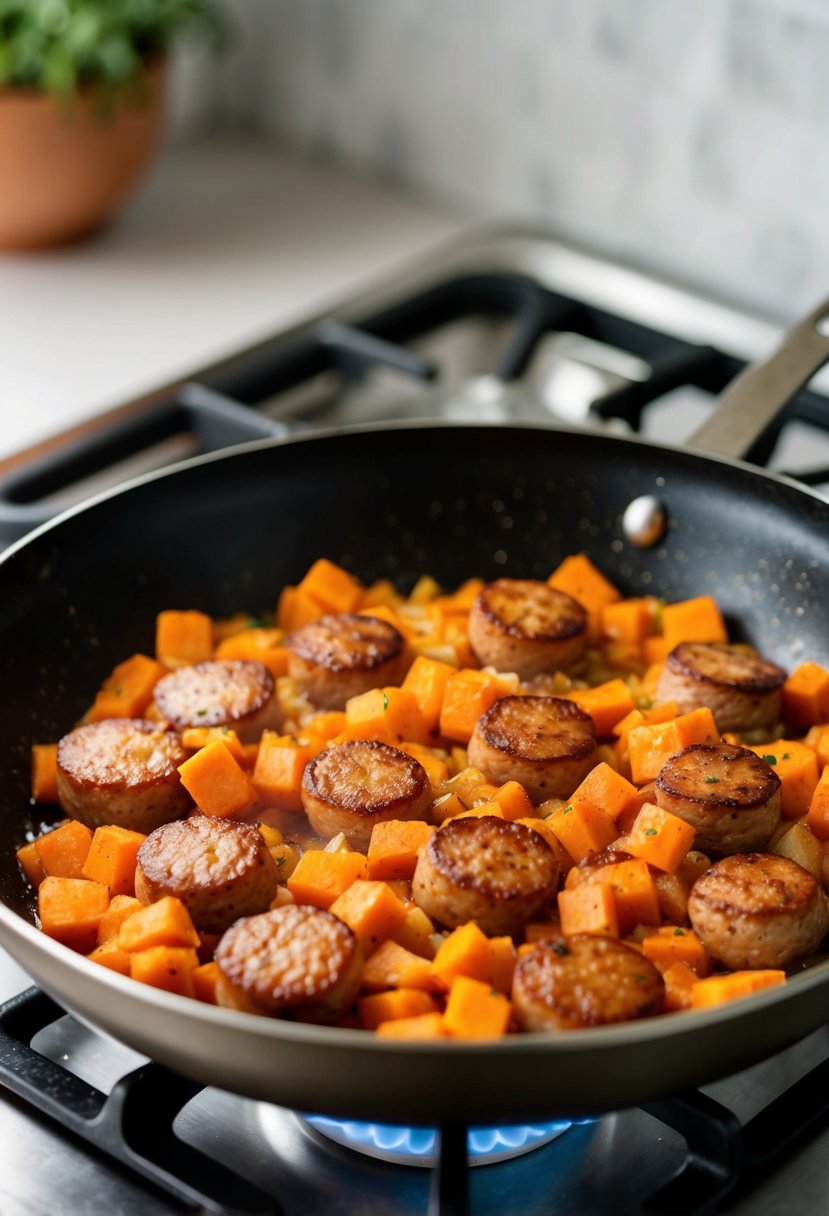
520 806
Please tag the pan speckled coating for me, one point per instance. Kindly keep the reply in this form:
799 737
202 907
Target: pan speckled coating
225 533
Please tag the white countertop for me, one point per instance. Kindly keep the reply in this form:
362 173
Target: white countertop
232 239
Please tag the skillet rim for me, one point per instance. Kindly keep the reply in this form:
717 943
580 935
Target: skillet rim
638 1034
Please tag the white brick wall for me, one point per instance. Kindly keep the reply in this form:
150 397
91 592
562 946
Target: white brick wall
688 137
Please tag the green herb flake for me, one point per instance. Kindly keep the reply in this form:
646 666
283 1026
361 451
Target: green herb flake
201 713
770 759
679 932
785 756
385 701
560 949
567 810
712 780
280 861
651 831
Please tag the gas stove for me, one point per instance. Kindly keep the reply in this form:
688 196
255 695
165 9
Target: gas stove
504 324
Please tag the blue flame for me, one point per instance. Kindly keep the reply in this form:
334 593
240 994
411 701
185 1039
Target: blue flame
419 1143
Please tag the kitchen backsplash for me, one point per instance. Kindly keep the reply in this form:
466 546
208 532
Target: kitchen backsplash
689 138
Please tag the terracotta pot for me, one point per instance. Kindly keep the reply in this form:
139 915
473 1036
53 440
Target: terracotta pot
66 169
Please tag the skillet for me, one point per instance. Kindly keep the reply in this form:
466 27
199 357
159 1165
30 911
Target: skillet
221 533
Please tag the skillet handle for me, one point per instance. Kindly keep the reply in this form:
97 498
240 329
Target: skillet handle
755 398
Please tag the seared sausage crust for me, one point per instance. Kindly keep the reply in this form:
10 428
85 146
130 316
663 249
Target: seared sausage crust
742 690
546 743
122 771
526 626
218 868
296 961
486 869
755 910
584 980
351 786
339 657
220 692
729 795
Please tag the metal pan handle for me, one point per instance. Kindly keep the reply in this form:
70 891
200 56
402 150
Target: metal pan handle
755 398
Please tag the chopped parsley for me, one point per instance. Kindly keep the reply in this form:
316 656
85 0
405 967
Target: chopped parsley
785 756
679 932
712 780
770 759
567 810
385 701
201 713
651 831
560 949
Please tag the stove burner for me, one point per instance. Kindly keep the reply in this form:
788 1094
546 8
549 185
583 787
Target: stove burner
417 1145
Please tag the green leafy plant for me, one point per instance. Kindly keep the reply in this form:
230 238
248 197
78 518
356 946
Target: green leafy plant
60 46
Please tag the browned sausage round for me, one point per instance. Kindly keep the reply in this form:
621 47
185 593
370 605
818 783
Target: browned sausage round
296 961
220 692
351 786
742 690
584 980
526 626
546 743
218 868
757 911
729 795
122 771
485 869
339 657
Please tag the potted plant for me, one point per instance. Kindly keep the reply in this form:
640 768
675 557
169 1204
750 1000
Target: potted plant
83 87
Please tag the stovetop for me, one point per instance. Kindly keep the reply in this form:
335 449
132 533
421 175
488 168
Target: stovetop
504 324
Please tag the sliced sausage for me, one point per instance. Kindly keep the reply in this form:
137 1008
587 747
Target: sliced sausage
757 911
584 980
122 771
351 786
526 626
338 657
742 690
485 869
218 868
220 692
728 794
294 961
546 743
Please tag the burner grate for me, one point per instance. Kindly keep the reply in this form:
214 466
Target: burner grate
723 1160
396 362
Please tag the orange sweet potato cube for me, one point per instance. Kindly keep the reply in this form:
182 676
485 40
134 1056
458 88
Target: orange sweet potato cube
45 772
216 782
797 767
70 910
394 846
277 773
332 587
63 851
320 877
475 1010
183 637
695 620
164 923
371 910
659 838
426 680
112 858
589 908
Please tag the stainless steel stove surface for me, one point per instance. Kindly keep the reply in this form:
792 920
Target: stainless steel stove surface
505 324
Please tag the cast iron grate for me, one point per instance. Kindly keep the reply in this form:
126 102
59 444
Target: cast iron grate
220 406
134 1125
